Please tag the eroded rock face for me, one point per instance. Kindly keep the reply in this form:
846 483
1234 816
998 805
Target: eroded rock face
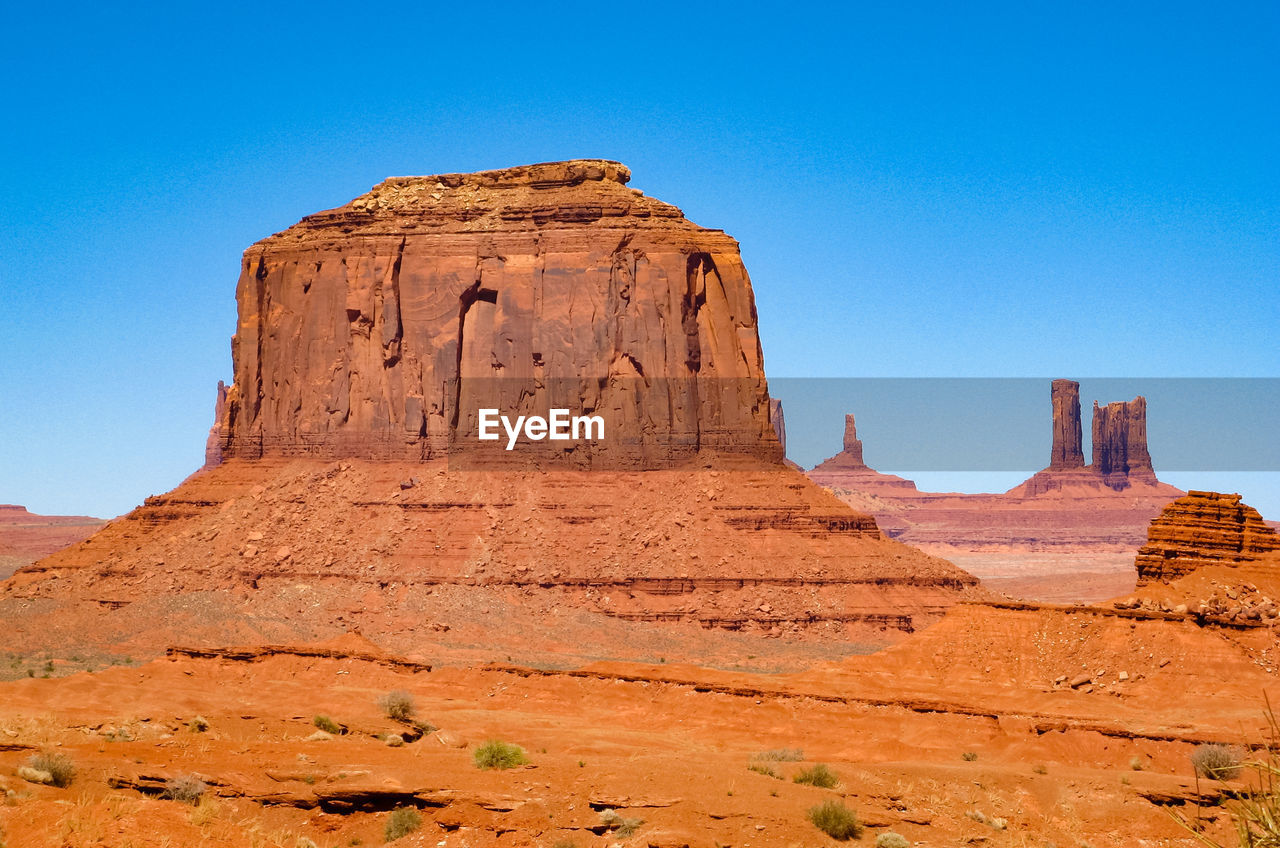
1201 529
1121 460
1067 433
1120 443
380 328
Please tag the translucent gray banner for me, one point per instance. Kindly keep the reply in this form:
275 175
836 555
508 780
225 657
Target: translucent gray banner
1006 424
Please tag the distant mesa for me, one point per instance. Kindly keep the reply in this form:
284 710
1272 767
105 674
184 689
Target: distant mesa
26 537
1203 529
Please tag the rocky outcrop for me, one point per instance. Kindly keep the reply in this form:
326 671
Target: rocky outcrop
852 453
1120 454
1067 451
380 328
779 423
217 433
1202 529
847 471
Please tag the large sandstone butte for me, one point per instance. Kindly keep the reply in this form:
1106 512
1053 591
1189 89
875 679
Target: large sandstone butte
369 335
1203 529
378 329
1068 533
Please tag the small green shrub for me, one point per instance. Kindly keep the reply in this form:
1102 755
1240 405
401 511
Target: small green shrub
765 769
402 822
397 705
835 820
199 724
496 754
781 755
59 766
969 756
817 775
328 725
187 789
1215 761
889 839
620 826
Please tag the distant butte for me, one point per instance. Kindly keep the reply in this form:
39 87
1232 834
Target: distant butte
1067 533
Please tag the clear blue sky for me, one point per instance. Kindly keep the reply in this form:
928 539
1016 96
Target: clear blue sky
1088 189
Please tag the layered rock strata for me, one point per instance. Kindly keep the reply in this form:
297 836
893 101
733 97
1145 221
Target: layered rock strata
1203 529
369 337
379 329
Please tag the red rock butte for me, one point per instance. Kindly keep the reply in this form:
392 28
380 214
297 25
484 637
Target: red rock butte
378 329
368 337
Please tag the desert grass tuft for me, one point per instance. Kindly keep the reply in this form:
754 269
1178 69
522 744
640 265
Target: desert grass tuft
496 754
817 775
835 820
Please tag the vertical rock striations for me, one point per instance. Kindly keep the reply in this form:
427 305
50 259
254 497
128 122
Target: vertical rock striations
1067 451
1120 456
1120 443
1200 529
380 328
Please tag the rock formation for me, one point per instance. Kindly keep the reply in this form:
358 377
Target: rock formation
379 328
1067 451
847 471
1067 533
1120 454
779 423
1203 529
369 336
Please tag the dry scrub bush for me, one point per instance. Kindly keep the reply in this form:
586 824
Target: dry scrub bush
1215 761
1255 811
889 839
817 775
766 770
781 755
402 822
495 754
328 725
397 705
622 827
59 767
188 789
835 820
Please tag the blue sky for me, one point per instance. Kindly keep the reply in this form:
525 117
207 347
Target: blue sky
941 190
